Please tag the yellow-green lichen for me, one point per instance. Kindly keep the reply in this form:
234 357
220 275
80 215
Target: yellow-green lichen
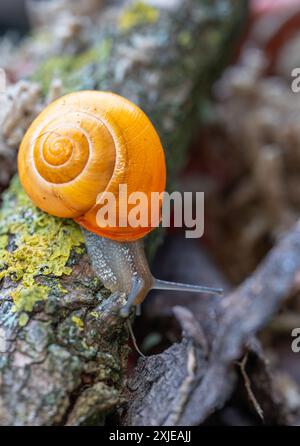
137 14
3 241
25 298
42 245
78 322
184 38
59 286
79 250
23 319
69 67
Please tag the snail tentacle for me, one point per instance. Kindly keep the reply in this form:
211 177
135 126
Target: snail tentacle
174 286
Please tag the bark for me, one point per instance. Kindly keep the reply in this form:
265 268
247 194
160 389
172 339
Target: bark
63 346
202 367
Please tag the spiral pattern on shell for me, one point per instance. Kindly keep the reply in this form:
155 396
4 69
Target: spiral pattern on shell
86 144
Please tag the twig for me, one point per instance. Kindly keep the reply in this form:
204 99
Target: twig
134 339
238 317
184 390
242 365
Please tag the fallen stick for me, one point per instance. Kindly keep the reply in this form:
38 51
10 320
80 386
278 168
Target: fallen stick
237 318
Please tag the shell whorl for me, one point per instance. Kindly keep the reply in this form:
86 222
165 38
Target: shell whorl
86 144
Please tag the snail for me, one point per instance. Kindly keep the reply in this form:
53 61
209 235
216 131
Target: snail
78 149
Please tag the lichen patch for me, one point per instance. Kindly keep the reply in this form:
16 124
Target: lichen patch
33 244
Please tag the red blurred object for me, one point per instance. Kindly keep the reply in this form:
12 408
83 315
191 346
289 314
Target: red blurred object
272 26
285 33
259 7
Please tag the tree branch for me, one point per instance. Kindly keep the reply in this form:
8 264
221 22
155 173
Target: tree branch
238 317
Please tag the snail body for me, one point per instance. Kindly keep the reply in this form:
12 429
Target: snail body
122 267
81 147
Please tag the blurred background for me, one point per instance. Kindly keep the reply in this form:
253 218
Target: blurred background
13 17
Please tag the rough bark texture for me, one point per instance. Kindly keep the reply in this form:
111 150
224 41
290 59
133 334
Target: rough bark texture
63 347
